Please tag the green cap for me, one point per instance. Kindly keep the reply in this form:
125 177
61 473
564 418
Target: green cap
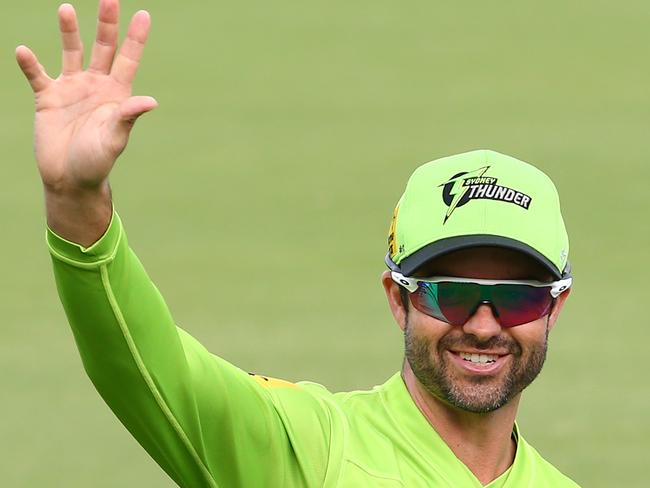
478 198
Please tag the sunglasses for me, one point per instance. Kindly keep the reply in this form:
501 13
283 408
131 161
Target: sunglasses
455 300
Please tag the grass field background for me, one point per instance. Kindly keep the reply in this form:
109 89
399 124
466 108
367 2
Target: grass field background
259 196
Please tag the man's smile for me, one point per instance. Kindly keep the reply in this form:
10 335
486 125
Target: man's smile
481 363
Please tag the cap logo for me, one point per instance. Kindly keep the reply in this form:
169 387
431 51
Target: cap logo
474 185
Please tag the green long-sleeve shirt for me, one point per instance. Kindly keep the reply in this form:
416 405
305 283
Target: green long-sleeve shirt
208 423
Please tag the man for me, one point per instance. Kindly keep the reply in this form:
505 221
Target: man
478 277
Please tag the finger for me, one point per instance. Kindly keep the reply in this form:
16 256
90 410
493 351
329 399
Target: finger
33 70
134 107
128 112
73 54
105 44
127 61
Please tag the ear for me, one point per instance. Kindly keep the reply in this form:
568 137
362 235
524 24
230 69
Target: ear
394 300
557 308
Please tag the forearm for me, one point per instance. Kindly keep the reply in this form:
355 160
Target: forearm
79 215
206 422
131 349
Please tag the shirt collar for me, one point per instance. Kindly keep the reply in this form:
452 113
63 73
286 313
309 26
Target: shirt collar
423 438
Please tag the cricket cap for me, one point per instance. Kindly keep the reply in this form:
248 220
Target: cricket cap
478 198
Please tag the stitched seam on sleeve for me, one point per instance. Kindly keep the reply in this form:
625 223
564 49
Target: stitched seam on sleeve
149 380
331 479
373 473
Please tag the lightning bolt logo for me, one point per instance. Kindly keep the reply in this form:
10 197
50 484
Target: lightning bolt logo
454 190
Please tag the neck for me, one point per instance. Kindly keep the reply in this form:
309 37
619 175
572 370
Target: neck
482 441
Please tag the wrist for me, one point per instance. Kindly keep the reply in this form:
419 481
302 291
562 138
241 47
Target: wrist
79 215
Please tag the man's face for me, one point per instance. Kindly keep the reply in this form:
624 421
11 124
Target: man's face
434 349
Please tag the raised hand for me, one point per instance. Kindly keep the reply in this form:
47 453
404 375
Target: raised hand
83 118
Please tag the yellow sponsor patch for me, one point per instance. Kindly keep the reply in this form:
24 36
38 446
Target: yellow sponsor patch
269 382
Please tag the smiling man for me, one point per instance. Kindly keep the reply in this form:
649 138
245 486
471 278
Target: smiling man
478 276
476 282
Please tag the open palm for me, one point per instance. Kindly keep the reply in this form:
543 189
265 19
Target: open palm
83 118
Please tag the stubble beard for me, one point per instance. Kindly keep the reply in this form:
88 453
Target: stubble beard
477 394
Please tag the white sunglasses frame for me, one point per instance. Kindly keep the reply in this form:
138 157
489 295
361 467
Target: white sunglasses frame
411 284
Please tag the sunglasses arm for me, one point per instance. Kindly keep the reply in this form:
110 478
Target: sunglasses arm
560 286
409 283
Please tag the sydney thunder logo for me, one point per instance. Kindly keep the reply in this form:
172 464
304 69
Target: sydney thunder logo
473 185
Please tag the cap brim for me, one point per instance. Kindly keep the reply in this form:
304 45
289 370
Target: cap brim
436 249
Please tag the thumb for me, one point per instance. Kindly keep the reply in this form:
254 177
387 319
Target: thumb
131 108
125 116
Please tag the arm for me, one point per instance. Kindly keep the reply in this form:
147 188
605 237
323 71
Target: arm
204 421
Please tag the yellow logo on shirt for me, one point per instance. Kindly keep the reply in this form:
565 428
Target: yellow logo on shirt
268 382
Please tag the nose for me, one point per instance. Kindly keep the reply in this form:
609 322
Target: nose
483 324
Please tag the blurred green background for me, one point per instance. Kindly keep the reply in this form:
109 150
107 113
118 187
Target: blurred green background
259 196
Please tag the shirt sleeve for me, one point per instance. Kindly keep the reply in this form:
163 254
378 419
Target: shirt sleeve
204 421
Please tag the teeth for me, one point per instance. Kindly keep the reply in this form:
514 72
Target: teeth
479 358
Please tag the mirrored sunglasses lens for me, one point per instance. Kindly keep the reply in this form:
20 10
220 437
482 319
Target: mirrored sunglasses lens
425 299
450 302
458 301
455 303
520 304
